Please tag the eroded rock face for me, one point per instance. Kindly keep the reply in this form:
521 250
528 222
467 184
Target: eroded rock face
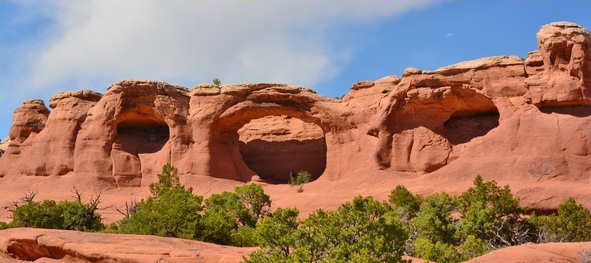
504 117
429 115
42 143
219 114
134 129
30 118
277 147
45 245
560 72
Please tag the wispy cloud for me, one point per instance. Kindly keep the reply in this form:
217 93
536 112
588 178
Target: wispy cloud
237 41
448 35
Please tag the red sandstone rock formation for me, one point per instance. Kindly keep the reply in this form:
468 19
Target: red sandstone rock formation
521 122
536 111
42 143
277 147
45 245
570 252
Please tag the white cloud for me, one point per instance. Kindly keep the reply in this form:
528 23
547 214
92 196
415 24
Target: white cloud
448 35
186 41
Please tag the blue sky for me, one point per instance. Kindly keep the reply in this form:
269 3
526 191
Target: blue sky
56 45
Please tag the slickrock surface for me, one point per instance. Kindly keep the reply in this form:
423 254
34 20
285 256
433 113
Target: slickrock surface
522 122
45 245
538 253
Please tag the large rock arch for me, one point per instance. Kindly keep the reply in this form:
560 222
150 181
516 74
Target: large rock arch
144 106
277 148
222 111
413 129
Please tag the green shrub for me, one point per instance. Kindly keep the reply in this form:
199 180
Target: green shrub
301 178
491 213
485 216
370 230
112 228
69 215
246 236
406 205
546 227
257 203
171 211
247 204
4 225
229 216
575 221
167 179
217 82
363 230
44 214
81 216
445 252
436 251
217 226
571 224
406 202
229 204
471 247
277 231
174 214
271 256
434 221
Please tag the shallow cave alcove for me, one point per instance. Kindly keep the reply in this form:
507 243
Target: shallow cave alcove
145 136
276 147
462 128
137 142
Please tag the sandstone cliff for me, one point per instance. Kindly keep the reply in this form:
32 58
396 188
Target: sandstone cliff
519 121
